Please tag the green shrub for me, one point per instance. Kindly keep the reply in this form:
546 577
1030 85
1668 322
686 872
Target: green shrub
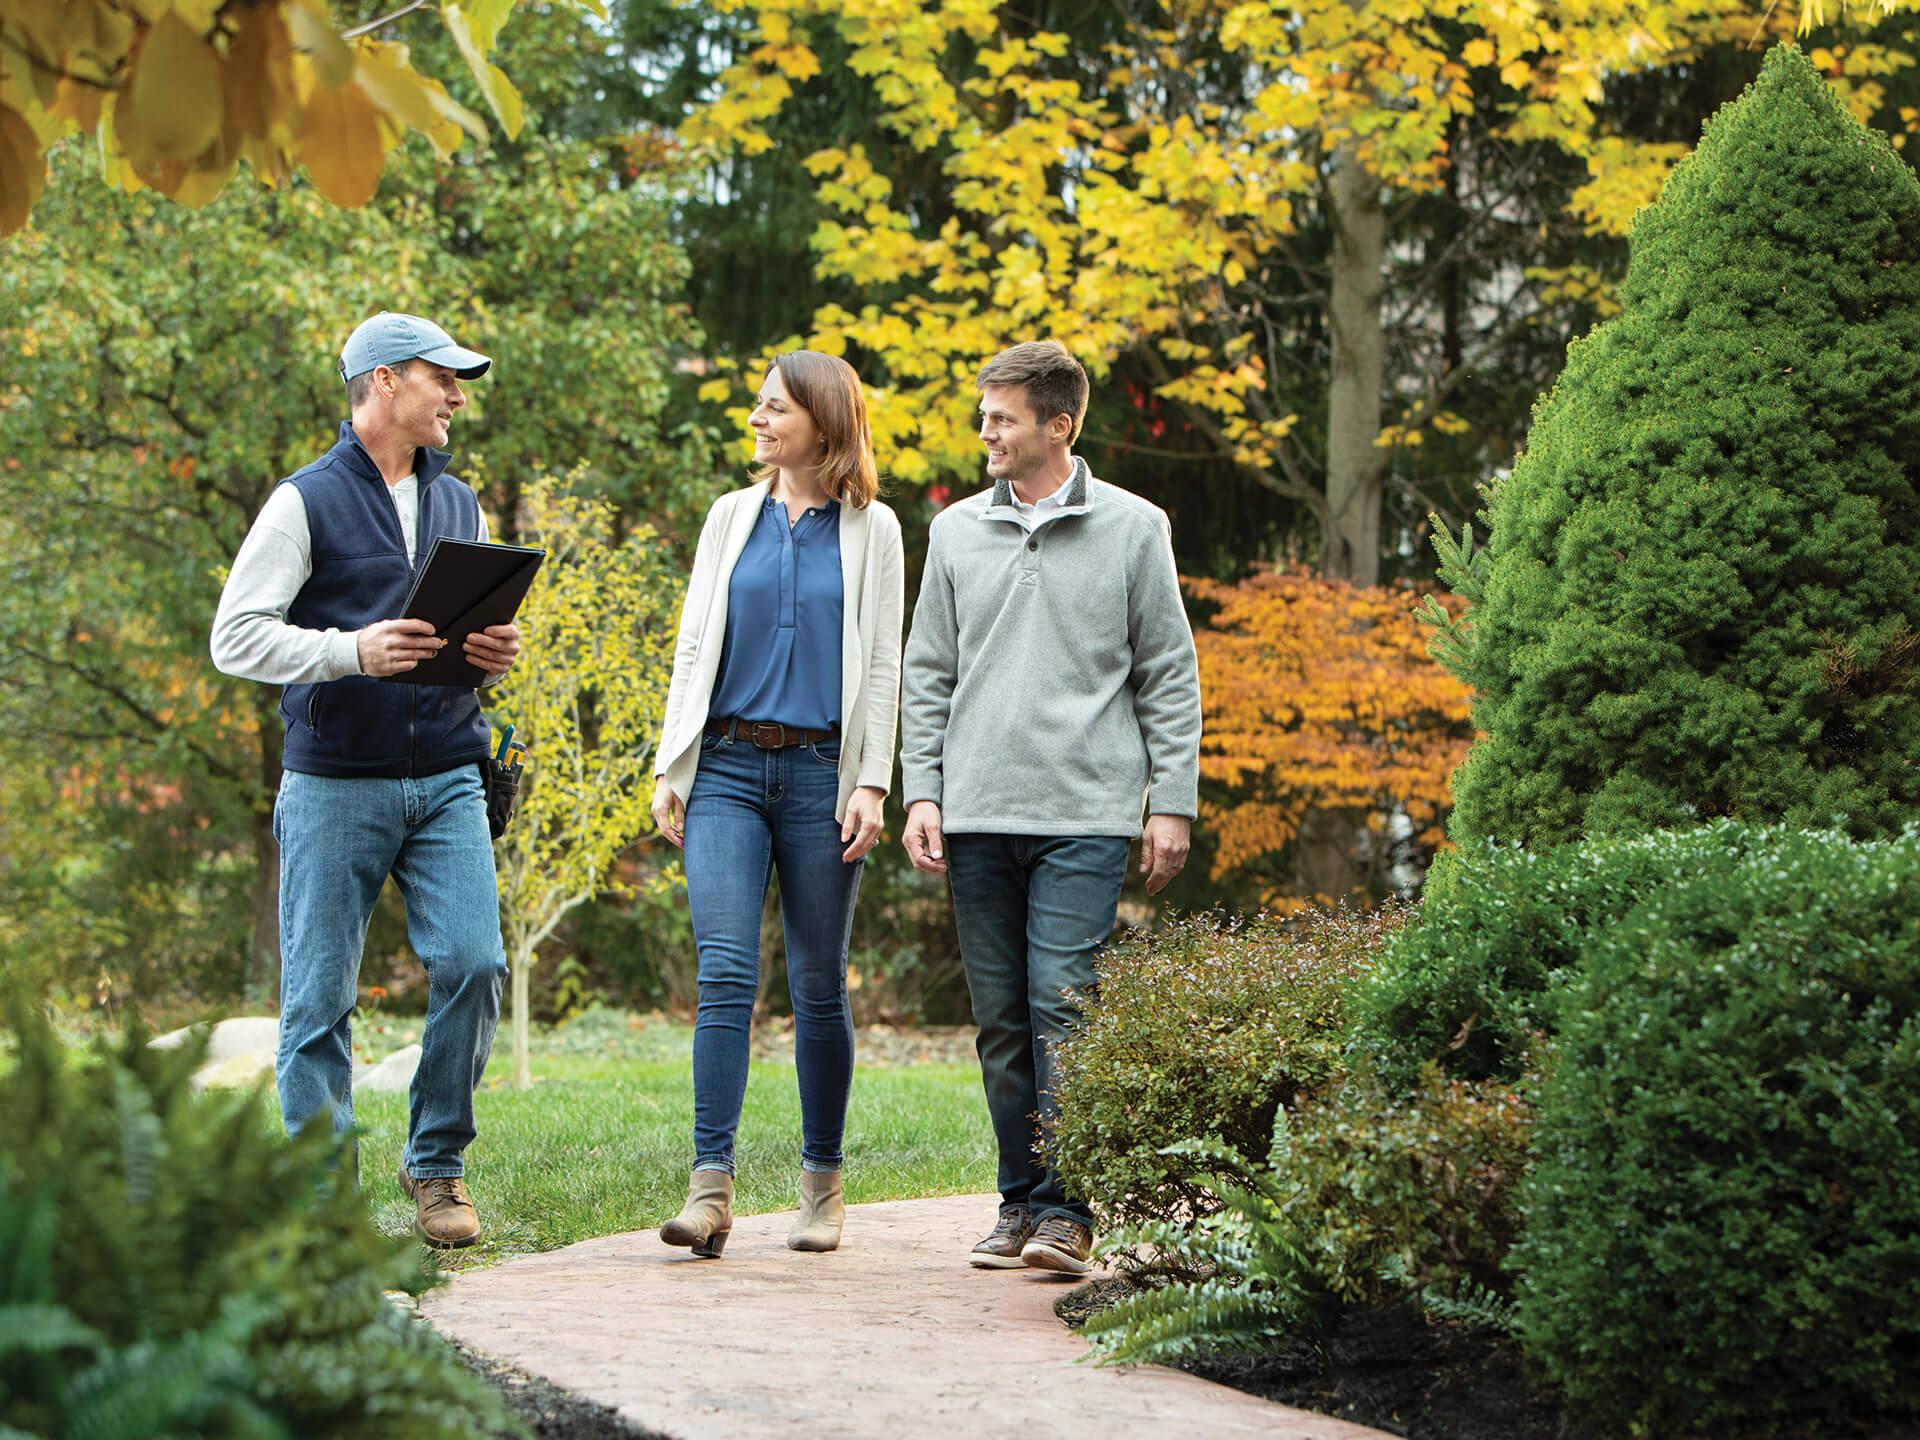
1468 983
170 1266
1723 1219
1391 1192
1201 1030
1697 597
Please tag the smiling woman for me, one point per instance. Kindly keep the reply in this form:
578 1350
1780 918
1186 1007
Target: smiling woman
810 428
778 746
782 430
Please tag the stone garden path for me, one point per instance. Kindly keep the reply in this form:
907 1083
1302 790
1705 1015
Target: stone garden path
892 1337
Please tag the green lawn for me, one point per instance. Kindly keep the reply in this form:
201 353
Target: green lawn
602 1141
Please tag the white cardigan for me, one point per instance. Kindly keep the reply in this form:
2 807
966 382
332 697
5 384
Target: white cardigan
873 568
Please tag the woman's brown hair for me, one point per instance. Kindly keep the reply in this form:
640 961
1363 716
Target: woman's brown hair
827 388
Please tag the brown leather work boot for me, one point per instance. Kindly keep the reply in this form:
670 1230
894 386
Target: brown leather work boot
443 1215
1001 1249
1062 1244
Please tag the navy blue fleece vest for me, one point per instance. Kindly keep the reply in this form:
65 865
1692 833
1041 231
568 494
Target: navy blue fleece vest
359 726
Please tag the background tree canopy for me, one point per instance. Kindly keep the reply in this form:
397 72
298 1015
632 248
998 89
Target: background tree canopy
1320 259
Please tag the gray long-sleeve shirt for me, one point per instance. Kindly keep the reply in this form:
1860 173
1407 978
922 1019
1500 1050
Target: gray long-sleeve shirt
1050 681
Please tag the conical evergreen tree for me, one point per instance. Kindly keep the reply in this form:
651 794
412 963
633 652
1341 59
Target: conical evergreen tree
1701 591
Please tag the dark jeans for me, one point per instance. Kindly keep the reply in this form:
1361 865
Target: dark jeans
751 812
1032 911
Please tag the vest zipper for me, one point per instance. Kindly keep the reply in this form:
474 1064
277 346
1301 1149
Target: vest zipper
420 521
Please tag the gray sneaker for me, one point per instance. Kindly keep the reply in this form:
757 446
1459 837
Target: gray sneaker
1001 1249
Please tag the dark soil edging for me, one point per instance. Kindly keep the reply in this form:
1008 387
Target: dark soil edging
550 1412
1393 1369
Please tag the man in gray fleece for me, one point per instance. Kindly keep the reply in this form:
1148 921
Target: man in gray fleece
1051 694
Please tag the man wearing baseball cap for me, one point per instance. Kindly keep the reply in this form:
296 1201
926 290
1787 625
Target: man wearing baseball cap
377 780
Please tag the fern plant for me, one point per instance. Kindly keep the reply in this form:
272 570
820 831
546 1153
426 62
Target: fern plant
1472 1303
171 1266
1255 1284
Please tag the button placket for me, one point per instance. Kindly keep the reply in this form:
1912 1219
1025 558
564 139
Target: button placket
789 585
1030 560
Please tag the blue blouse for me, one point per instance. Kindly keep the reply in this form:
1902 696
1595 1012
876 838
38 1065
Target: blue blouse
785 601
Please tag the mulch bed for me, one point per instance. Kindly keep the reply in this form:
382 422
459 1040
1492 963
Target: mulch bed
1397 1370
1391 1369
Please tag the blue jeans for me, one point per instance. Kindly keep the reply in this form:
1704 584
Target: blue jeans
339 841
753 812
1032 911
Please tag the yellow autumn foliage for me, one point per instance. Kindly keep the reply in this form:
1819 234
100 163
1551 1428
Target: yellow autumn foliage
1163 228
586 698
180 94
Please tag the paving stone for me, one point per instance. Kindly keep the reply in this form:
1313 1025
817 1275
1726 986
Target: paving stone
893 1335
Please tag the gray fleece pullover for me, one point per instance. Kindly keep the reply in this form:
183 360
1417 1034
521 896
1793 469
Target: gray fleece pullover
1050 682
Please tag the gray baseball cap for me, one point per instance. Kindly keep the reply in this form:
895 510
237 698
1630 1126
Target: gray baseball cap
390 337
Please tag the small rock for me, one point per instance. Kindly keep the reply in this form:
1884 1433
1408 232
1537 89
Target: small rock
236 1072
393 1073
243 1035
240 1052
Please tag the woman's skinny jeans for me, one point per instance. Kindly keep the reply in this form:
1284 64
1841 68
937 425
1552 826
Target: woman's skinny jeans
754 812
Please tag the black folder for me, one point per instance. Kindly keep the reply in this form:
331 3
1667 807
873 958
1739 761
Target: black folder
464 586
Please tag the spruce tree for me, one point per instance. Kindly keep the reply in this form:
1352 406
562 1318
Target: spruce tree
1700 594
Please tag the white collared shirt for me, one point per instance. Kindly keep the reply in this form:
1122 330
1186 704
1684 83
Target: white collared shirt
1045 508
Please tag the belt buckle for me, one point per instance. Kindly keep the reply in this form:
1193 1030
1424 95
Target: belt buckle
774 726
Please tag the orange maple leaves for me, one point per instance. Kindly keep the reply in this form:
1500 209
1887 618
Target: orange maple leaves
1319 695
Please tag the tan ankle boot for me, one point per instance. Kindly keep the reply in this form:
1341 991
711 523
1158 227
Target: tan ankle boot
706 1220
822 1212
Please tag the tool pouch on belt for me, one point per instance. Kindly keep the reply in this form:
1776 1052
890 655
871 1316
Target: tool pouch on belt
502 783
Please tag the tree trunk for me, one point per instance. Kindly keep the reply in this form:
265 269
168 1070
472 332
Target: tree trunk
263 960
1354 461
1324 858
522 963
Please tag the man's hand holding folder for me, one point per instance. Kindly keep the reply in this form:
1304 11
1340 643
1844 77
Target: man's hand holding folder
393 647
493 649
465 591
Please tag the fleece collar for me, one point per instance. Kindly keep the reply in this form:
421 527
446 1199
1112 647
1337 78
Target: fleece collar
1079 491
428 463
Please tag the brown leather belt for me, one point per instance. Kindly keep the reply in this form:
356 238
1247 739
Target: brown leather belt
768 734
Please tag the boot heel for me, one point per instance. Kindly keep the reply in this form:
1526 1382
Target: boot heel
703 1222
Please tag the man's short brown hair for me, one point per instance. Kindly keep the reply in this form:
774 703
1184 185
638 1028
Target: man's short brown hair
360 387
1054 381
